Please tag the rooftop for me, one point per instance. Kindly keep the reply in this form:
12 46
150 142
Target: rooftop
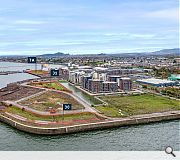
155 81
175 76
114 76
109 82
125 78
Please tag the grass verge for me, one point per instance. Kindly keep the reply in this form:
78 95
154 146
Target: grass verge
31 116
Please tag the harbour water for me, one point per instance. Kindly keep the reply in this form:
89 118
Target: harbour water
155 136
139 138
10 78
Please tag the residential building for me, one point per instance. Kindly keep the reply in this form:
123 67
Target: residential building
85 81
95 85
113 78
125 83
110 86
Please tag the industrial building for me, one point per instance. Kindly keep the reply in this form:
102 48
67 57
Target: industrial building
174 77
157 82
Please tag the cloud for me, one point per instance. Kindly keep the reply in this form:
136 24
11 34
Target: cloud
29 22
87 26
26 29
130 35
170 14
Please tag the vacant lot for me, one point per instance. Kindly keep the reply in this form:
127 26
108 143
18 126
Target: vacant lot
18 93
51 99
122 106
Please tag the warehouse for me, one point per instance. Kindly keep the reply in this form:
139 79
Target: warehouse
157 82
174 77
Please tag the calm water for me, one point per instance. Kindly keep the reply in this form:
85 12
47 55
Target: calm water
9 66
154 136
143 137
10 78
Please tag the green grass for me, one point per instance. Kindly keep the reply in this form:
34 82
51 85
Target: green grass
31 116
137 104
62 81
53 85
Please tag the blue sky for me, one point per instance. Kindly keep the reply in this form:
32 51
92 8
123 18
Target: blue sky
30 27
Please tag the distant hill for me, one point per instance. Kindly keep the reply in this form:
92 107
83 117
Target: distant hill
58 54
167 51
163 52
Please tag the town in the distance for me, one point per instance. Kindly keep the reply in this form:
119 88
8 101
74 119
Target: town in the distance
74 93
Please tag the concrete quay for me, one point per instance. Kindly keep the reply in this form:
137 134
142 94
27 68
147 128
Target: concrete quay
133 120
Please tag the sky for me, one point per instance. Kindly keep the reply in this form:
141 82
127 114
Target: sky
33 27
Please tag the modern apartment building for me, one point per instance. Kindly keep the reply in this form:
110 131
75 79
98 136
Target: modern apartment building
113 78
98 86
76 77
110 86
64 72
95 85
85 81
125 83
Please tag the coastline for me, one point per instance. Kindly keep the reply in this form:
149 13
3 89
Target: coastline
119 122
108 123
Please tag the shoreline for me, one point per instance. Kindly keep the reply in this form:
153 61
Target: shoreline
108 123
119 122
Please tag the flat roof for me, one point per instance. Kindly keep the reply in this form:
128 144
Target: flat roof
100 68
125 78
114 76
84 67
155 81
109 82
95 80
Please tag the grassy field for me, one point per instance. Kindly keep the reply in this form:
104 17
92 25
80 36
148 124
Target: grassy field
51 99
30 116
62 81
123 106
52 85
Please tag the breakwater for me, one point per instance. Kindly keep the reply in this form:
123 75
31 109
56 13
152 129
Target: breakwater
133 120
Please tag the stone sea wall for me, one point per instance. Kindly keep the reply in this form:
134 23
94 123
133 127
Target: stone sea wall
134 120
